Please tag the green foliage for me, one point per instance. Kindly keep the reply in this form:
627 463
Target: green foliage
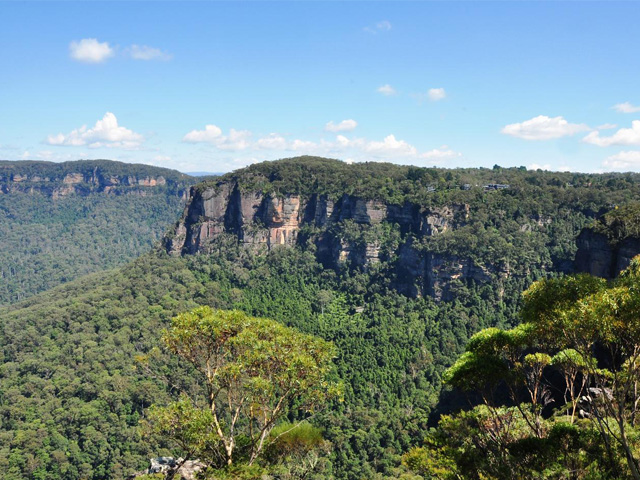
252 370
588 332
47 241
620 223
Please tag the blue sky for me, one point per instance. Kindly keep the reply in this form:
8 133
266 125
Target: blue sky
213 86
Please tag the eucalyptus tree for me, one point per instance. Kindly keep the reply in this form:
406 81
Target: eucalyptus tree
253 371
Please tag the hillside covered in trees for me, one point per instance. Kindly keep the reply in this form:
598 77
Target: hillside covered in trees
83 363
59 221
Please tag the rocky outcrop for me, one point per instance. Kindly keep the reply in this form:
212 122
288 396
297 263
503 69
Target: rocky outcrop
599 256
265 221
77 183
179 468
435 274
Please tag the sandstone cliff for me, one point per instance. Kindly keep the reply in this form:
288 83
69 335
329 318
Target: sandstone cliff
600 256
84 177
347 230
608 245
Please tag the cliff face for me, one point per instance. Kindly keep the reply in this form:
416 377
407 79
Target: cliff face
75 183
58 180
601 257
265 222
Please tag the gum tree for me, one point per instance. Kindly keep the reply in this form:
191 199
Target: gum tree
253 371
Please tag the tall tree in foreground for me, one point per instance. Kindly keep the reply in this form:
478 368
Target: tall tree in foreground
579 331
254 371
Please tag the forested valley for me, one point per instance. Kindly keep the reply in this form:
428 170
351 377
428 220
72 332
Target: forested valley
59 221
90 369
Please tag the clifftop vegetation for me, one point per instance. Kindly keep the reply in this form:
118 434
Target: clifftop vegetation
619 223
58 170
397 184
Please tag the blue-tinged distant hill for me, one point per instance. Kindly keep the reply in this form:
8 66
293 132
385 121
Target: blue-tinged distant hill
59 221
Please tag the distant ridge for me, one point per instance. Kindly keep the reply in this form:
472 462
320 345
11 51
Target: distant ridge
59 221
204 174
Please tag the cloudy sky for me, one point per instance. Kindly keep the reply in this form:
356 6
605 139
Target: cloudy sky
213 86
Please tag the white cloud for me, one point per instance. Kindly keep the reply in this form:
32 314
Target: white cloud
343 126
432 95
535 166
210 134
543 128
50 156
436 94
387 90
606 126
626 107
391 146
236 140
105 133
441 153
89 50
624 136
144 52
629 160
298 145
383 26
272 142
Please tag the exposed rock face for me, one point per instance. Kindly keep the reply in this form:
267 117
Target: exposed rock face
598 256
187 470
77 183
269 221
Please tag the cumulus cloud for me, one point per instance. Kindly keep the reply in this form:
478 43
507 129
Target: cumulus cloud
272 142
543 128
436 94
629 160
383 26
235 140
441 153
144 52
105 133
387 90
90 50
210 134
536 166
432 95
626 107
302 145
624 136
343 126
391 146
606 126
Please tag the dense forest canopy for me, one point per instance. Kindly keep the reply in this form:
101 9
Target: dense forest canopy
58 170
399 183
72 391
48 239
559 392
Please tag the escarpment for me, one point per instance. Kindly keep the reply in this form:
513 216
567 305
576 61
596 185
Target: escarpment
345 231
85 177
607 248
